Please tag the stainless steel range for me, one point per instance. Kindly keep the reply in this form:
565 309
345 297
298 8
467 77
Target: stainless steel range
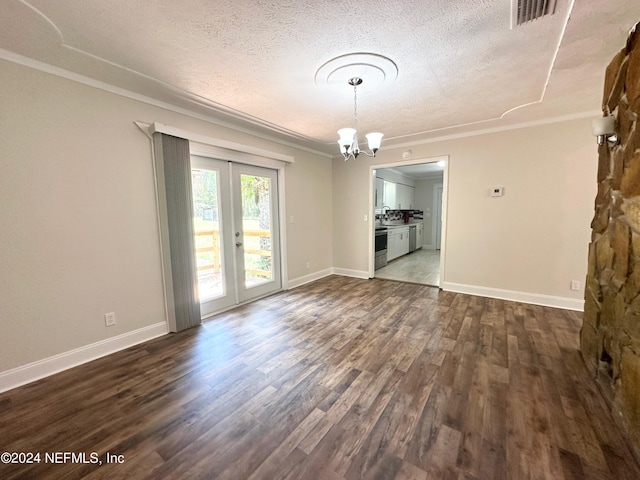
380 259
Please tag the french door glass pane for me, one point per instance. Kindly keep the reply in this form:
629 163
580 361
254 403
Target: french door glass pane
206 203
257 229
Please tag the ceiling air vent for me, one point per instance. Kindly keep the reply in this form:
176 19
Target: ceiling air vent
524 11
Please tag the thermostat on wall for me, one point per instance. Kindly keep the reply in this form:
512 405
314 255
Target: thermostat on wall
497 191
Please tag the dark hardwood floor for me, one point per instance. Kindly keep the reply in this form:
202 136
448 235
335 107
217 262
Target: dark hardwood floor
339 379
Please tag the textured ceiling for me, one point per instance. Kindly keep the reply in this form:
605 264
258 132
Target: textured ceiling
459 65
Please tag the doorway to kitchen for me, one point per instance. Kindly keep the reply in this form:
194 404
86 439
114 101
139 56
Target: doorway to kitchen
236 232
413 221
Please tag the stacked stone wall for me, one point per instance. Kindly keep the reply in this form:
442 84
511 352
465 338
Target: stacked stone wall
610 336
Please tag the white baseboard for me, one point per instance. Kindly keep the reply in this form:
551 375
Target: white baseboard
351 273
43 368
296 282
523 297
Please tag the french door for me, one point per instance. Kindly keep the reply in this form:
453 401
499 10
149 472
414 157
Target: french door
236 232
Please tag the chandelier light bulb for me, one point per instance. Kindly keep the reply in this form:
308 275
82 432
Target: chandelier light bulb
346 137
374 140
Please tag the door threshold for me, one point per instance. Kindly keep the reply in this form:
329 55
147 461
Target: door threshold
246 302
407 281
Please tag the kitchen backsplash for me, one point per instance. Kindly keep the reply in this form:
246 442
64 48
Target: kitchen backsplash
399 216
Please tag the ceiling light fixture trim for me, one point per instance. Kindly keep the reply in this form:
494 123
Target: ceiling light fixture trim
377 70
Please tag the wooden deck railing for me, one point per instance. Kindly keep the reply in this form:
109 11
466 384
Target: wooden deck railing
214 248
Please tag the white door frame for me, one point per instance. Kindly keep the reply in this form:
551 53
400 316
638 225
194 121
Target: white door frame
230 220
244 293
211 151
445 197
225 209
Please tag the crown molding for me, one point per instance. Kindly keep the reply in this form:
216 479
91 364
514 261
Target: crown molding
503 128
231 119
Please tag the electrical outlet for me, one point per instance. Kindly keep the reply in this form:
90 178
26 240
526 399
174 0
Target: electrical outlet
575 285
110 319
308 265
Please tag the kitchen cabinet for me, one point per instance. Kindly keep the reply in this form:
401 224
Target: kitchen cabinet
397 242
396 196
379 193
419 235
392 245
404 197
389 198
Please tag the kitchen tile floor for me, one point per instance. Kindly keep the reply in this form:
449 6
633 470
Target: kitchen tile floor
421 266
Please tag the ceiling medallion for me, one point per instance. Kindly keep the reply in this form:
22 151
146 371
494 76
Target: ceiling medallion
376 71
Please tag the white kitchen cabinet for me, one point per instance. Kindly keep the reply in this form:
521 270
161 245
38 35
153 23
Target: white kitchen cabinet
379 193
404 196
397 242
419 235
397 196
404 242
393 245
389 198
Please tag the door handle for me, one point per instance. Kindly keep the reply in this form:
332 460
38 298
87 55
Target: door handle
238 244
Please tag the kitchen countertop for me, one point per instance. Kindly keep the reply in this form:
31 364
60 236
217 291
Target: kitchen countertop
404 225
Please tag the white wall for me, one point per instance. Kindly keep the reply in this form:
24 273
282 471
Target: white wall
533 240
78 225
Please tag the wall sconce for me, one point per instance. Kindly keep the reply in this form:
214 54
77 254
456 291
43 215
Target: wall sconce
605 129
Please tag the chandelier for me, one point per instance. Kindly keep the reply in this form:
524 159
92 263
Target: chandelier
348 140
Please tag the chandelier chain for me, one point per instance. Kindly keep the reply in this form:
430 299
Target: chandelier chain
355 105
